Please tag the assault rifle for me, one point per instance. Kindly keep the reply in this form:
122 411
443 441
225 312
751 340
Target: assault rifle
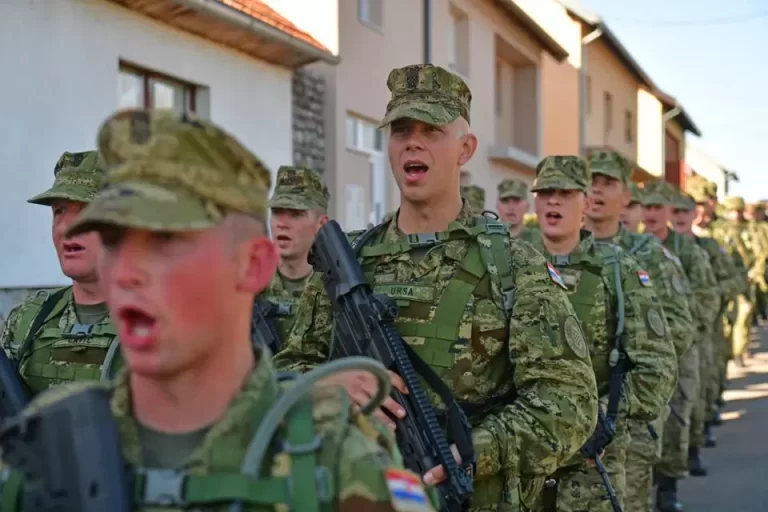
363 327
13 393
68 456
593 449
264 331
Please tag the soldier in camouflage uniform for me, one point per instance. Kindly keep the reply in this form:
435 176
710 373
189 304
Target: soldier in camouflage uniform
619 310
298 210
705 304
755 216
737 234
512 205
475 194
632 216
520 364
611 189
66 334
183 222
709 349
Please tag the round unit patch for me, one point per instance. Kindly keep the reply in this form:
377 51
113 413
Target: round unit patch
678 285
575 337
655 322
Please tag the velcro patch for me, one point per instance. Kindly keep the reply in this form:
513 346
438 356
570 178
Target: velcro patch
645 279
555 276
406 491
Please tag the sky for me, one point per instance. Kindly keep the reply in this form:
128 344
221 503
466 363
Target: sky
711 56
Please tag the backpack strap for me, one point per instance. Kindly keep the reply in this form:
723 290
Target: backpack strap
47 306
617 360
638 244
497 259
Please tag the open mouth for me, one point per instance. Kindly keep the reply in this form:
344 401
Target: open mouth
553 216
283 238
415 168
598 202
137 322
72 248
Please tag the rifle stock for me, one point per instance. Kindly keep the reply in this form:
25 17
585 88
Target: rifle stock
13 393
363 327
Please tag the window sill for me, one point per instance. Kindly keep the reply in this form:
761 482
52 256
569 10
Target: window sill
376 28
511 155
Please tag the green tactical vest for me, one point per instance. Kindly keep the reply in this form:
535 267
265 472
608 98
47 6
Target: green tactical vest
471 277
245 478
583 275
50 355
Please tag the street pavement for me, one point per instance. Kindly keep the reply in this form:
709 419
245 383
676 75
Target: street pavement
738 465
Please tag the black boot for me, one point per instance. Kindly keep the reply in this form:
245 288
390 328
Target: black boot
666 495
695 466
717 419
709 435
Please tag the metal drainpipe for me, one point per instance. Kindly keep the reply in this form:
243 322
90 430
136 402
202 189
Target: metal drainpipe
427 31
585 41
665 118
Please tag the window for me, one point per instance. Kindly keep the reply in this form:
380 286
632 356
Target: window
147 89
588 93
363 135
498 88
371 12
608 112
628 126
458 43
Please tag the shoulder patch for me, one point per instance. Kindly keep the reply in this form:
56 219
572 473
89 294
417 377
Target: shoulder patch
555 276
645 279
574 336
406 491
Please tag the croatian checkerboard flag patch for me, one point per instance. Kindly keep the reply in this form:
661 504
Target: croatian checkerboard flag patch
406 490
555 276
645 279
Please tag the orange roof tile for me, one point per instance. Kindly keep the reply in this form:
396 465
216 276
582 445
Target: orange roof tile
264 13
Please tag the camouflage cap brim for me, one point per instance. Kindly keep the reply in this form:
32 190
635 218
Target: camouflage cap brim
146 206
654 199
557 183
611 172
433 114
511 193
294 203
69 193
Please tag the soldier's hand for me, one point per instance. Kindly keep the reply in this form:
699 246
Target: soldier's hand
362 387
437 474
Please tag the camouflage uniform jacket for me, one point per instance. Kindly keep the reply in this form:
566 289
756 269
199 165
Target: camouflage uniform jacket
286 301
726 274
591 281
705 292
530 357
669 281
360 457
62 349
733 247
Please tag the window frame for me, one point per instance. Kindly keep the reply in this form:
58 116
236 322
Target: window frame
628 131
366 20
147 75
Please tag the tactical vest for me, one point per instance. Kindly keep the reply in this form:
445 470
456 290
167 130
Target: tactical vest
585 289
50 355
286 433
283 312
486 271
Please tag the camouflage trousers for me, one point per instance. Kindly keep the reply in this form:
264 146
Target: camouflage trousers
704 408
580 488
722 353
676 439
643 452
742 325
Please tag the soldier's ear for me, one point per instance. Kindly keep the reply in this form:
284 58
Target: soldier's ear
257 264
468 148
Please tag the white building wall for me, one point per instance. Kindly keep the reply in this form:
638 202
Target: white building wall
59 69
705 165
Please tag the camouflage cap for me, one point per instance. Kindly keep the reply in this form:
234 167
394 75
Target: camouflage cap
168 171
562 173
427 93
476 197
611 164
658 193
734 203
712 189
683 201
637 193
697 192
512 188
77 177
299 188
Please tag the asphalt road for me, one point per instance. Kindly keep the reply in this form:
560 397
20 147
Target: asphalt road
738 465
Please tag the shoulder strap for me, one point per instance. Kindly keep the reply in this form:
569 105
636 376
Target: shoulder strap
617 360
42 315
639 243
495 253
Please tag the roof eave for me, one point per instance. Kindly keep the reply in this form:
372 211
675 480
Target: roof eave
547 42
